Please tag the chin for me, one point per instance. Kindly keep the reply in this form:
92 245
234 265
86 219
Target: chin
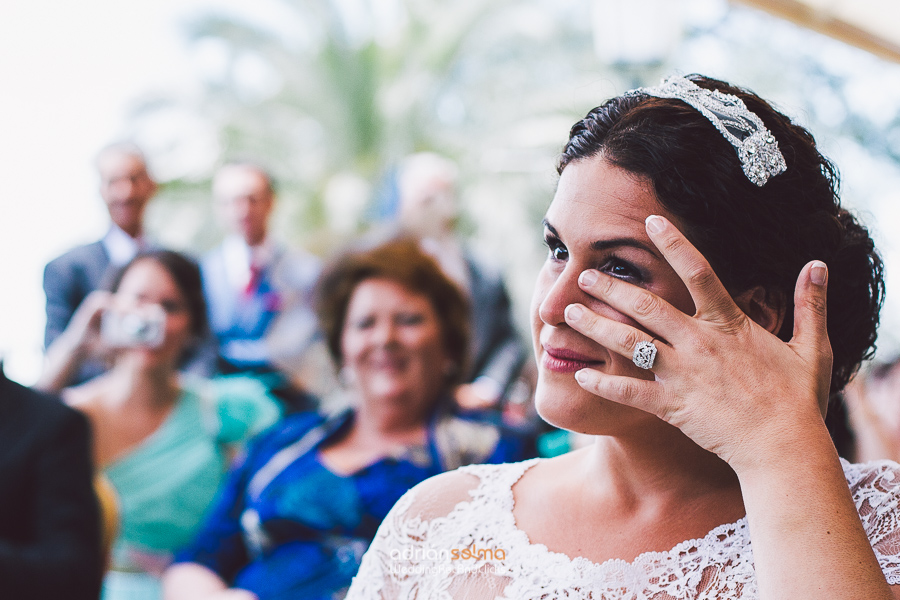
560 401
571 408
151 357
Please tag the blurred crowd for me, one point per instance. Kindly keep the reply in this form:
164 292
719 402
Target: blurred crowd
236 424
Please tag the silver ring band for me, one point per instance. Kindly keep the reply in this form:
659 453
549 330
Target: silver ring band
644 354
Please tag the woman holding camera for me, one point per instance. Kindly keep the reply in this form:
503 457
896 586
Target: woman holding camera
161 439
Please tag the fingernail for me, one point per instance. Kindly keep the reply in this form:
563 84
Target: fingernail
654 224
574 312
581 376
588 278
819 273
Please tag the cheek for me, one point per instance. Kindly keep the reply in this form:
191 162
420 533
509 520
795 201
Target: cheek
428 343
350 347
178 327
543 283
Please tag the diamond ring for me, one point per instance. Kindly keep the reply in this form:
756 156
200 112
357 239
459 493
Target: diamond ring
644 355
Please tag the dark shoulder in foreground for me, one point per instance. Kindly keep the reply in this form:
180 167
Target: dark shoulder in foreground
28 414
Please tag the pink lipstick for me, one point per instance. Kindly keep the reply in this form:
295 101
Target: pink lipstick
563 360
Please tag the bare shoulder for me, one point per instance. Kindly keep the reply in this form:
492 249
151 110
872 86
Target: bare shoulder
439 495
550 471
85 398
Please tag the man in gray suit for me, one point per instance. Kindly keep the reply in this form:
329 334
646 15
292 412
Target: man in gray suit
258 289
126 187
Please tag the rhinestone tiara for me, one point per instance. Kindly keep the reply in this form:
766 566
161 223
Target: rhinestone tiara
755 145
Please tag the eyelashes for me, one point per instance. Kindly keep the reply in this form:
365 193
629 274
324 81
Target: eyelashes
622 270
556 250
610 264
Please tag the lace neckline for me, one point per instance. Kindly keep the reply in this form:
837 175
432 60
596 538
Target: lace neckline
732 533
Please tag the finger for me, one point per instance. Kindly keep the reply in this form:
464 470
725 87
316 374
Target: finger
645 307
811 315
95 302
87 315
638 393
711 299
618 337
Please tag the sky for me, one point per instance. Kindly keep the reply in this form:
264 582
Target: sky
70 70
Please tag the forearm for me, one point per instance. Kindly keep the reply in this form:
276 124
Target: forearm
191 581
807 538
63 359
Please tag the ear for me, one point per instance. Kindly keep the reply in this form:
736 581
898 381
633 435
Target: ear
766 309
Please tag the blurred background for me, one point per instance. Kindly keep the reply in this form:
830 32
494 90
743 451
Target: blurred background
331 94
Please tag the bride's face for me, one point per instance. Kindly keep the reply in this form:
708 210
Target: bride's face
596 221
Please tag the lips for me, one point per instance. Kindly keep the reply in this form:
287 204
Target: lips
388 362
563 360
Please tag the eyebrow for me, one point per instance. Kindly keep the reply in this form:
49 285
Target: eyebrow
601 245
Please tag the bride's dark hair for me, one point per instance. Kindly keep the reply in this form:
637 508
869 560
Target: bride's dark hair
752 236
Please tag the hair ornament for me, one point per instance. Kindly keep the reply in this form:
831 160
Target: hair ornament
756 147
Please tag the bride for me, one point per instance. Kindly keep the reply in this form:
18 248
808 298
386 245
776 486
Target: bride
695 240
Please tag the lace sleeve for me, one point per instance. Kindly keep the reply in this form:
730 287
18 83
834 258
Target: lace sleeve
876 492
403 560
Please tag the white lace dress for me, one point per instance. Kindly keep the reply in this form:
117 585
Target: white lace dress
465 544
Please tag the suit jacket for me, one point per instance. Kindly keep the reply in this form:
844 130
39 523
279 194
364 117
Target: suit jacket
496 350
271 327
49 519
68 279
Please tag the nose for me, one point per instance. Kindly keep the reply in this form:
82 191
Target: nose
560 293
563 291
384 333
243 206
124 190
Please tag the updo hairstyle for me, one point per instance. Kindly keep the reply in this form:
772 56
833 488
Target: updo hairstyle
752 236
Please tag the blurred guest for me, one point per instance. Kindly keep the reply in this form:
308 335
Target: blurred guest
162 440
126 187
49 521
296 516
873 400
428 207
258 289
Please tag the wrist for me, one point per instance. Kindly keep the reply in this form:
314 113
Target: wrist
792 449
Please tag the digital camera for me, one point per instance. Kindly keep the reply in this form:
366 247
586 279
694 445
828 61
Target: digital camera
143 326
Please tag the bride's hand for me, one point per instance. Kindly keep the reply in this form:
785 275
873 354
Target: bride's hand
726 382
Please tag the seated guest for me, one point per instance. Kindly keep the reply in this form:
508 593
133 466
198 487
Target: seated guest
297 514
429 207
49 522
162 440
259 291
126 188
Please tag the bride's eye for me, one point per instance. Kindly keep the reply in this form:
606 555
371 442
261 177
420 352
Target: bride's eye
622 270
557 252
